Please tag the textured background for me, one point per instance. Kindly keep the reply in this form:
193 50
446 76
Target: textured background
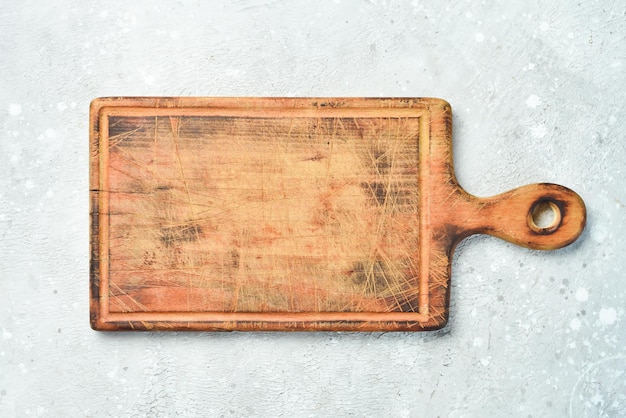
538 93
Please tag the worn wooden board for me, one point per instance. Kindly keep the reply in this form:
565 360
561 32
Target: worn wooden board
288 214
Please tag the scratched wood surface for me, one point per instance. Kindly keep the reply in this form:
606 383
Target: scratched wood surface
337 214
298 214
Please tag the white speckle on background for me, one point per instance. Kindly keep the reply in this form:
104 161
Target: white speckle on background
479 37
533 101
582 294
478 341
15 109
61 106
6 335
574 324
597 399
50 133
544 26
485 361
607 316
599 234
538 131
174 34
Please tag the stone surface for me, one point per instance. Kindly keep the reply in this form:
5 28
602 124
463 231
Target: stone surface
538 95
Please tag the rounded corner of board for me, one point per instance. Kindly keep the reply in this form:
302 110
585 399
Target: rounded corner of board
441 104
98 324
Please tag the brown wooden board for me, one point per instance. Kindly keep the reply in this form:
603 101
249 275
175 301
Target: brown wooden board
288 214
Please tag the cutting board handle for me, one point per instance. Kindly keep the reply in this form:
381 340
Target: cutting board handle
541 216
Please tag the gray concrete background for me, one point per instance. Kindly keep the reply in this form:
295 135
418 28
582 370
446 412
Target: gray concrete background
538 93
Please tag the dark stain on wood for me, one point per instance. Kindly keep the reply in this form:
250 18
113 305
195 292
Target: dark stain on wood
170 235
377 190
234 258
403 303
382 160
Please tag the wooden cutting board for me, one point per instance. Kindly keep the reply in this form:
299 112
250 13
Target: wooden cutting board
289 214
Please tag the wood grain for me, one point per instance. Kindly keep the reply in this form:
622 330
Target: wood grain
287 214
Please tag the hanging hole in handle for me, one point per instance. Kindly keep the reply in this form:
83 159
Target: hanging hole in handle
544 217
